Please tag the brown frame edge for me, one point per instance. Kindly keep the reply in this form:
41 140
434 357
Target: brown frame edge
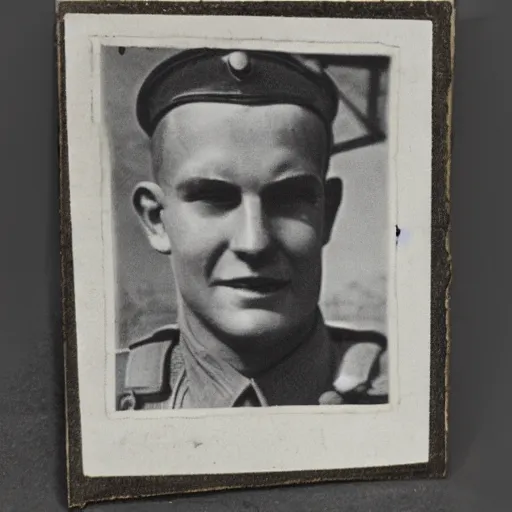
82 489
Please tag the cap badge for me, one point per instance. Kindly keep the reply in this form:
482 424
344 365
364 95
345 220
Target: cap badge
239 64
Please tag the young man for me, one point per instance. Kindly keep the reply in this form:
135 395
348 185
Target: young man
240 202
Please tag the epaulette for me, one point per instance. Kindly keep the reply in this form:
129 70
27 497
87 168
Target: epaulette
361 375
148 369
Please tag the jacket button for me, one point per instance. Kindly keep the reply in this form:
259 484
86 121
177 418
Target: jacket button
128 402
330 398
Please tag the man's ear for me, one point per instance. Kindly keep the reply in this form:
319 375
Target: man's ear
148 201
333 195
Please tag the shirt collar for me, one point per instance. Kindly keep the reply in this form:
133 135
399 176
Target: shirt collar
299 379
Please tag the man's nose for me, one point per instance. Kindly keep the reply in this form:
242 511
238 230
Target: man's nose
252 235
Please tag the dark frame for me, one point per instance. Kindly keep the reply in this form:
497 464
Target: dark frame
83 489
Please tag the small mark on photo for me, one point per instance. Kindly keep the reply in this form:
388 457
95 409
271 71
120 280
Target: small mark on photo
403 236
121 50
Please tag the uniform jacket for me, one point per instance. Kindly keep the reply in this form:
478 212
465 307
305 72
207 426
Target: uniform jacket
333 366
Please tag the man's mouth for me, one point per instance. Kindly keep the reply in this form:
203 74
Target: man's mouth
261 285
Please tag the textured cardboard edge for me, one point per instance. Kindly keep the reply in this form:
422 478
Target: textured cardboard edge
83 490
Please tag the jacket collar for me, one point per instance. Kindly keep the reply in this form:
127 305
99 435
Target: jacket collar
299 379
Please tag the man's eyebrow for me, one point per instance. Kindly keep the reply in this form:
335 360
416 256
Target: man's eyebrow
193 184
197 184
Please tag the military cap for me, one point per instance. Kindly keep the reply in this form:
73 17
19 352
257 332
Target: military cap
243 77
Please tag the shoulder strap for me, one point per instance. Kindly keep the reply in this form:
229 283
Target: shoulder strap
361 374
148 369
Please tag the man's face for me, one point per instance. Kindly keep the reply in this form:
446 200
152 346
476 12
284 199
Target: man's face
243 213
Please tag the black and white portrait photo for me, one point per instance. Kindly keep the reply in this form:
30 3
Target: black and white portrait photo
252 221
234 163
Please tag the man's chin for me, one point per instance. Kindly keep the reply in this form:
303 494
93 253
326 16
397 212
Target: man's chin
254 326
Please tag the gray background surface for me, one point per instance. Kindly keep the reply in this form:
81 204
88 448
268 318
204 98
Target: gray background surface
32 456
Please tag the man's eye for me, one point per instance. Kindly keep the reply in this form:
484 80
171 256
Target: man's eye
305 194
216 195
293 196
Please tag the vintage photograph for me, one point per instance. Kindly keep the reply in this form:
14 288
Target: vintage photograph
255 254
252 226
